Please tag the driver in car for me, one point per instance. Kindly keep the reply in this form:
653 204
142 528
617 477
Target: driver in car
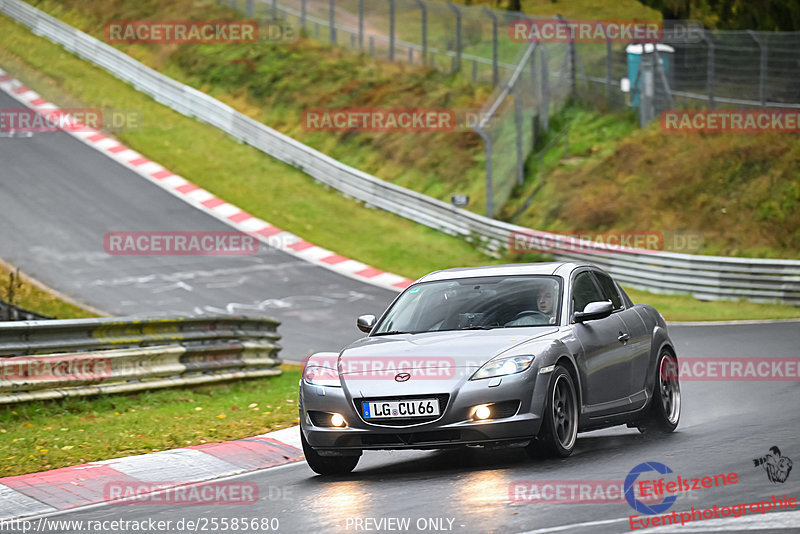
543 314
545 301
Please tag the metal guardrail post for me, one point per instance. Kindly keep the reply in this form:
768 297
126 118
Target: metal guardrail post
495 68
762 78
457 11
424 23
248 9
274 9
303 13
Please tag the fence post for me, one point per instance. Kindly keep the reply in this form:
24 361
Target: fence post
361 24
248 8
332 22
457 11
487 145
609 67
538 89
391 30
303 13
647 92
710 69
663 76
762 78
518 124
233 4
424 12
495 71
544 112
573 77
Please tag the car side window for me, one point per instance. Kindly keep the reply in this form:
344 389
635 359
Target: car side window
584 291
609 290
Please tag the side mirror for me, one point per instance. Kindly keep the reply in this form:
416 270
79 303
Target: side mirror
594 311
365 323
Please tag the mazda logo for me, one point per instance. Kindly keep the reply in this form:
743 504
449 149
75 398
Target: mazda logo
402 377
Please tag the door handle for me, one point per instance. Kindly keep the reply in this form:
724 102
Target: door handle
623 338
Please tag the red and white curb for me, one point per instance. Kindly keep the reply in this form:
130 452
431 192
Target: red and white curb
204 200
80 485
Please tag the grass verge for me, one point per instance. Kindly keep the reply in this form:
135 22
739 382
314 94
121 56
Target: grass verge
21 291
42 435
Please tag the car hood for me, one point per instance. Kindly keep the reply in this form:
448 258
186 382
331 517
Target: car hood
435 362
459 348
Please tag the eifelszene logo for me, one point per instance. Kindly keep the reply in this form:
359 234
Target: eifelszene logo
638 505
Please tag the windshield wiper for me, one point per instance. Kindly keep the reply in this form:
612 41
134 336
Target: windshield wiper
392 332
480 327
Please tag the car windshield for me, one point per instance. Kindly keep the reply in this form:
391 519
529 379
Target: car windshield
474 303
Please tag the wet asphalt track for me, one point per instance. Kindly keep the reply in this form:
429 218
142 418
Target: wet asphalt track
57 200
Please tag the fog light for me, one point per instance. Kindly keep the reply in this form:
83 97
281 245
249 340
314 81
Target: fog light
337 420
482 412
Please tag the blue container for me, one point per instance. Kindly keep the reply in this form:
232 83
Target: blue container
635 52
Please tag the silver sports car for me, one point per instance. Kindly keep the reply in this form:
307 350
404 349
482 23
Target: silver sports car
517 355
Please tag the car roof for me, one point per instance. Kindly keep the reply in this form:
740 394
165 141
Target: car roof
545 268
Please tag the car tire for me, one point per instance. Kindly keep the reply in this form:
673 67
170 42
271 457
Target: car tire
665 406
559 429
327 465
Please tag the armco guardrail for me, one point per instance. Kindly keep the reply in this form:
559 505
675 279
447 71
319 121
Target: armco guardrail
707 277
76 357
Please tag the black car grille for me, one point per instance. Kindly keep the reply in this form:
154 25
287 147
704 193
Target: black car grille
500 410
412 438
320 418
442 398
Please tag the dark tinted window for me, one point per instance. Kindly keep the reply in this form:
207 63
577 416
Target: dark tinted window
584 291
474 303
609 290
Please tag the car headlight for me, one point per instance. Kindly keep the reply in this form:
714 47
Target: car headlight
503 366
321 376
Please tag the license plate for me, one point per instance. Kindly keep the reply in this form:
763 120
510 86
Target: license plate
400 408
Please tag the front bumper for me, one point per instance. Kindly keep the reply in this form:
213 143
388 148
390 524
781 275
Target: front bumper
454 428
